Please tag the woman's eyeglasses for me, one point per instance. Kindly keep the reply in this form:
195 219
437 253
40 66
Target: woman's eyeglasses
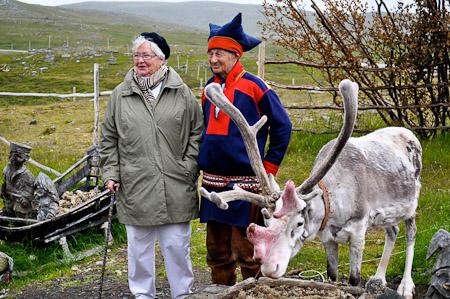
145 56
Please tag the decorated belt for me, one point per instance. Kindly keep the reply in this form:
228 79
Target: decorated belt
221 181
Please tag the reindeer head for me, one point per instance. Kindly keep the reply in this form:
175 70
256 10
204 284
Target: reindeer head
282 238
287 222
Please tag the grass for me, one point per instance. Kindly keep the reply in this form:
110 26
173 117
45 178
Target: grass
64 128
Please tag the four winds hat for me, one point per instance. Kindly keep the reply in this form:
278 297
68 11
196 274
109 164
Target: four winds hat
231 37
159 41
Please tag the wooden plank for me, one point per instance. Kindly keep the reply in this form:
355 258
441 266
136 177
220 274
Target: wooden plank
73 179
19 220
357 291
76 223
58 179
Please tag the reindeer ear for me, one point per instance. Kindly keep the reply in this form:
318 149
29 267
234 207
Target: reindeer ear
273 184
312 194
291 201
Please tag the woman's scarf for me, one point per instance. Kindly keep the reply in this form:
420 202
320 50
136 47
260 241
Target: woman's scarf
146 85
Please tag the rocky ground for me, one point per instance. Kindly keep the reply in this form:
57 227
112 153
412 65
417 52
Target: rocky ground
84 283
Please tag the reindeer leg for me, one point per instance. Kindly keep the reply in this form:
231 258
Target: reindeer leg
356 244
406 287
390 237
378 281
332 252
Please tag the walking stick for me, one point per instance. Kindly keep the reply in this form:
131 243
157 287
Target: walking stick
111 208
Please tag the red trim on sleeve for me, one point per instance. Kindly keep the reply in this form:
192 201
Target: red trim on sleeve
270 167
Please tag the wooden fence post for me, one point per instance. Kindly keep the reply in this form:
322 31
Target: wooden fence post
74 92
96 159
261 59
49 41
187 63
96 104
198 71
29 45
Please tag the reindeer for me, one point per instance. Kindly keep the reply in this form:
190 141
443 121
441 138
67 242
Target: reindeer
356 184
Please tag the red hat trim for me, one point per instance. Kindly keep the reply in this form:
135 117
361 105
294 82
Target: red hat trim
226 43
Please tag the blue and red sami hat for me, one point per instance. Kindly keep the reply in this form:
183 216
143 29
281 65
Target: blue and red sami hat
231 37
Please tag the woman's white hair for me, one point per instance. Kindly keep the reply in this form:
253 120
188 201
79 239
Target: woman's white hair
141 40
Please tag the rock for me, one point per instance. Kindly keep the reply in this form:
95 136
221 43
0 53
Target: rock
33 122
49 58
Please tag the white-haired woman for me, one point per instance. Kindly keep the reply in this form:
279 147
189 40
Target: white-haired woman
150 137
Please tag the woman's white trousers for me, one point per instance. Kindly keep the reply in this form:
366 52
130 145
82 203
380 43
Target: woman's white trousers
174 240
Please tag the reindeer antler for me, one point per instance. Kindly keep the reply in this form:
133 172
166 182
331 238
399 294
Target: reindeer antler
267 200
349 92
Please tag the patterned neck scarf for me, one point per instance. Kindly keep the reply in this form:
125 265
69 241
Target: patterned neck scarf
146 85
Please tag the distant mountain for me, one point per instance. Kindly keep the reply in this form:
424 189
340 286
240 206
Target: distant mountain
191 14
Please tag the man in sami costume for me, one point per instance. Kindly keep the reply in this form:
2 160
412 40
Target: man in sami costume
223 157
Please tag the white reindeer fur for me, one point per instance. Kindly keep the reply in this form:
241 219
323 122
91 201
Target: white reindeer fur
374 183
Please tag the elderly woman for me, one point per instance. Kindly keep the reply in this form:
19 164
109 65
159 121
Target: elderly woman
150 137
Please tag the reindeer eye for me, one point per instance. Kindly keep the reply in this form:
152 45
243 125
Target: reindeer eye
299 224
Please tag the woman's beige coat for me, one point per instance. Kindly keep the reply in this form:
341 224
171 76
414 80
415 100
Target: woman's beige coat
153 154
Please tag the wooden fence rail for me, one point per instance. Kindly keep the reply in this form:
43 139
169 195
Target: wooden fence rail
262 62
55 95
95 95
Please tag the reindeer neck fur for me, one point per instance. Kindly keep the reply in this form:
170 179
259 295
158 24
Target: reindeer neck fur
314 214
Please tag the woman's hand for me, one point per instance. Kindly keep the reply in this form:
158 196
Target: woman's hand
112 186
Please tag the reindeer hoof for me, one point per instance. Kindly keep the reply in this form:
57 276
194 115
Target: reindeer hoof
375 286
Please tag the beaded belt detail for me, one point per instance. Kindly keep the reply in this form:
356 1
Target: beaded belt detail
221 181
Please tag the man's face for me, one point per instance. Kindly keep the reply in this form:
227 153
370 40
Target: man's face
222 61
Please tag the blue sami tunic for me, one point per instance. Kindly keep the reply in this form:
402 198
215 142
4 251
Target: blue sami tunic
223 150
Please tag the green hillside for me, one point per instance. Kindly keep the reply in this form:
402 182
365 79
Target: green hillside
23 24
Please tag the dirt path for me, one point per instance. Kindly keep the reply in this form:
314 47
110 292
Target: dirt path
85 281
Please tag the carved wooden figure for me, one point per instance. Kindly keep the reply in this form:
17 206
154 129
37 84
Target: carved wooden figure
17 189
48 197
440 281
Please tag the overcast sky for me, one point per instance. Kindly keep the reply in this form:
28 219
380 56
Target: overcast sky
390 3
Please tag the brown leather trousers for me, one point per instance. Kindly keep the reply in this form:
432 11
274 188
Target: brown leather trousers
228 247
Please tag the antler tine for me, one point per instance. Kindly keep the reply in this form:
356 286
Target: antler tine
221 199
214 93
349 92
